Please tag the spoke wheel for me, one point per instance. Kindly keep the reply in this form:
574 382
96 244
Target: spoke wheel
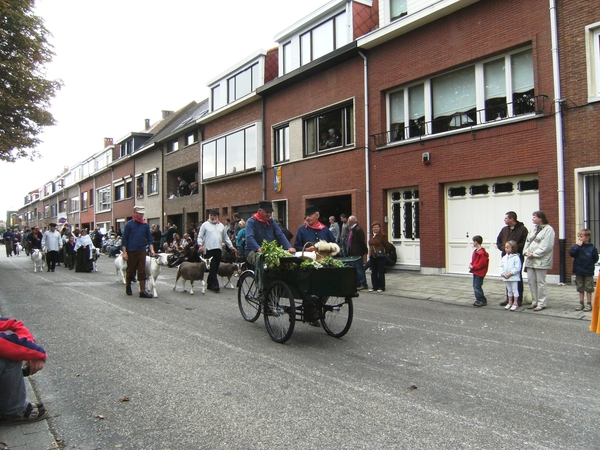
248 298
279 311
336 316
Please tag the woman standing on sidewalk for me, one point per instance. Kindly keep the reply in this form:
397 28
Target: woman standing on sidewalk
378 250
538 253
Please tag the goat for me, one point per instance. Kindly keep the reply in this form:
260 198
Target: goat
193 271
228 270
38 258
95 252
152 270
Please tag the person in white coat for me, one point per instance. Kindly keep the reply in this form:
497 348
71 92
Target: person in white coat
211 237
51 245
510 271
539 253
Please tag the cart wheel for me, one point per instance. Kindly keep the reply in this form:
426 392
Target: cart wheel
336 317
248 298
279 311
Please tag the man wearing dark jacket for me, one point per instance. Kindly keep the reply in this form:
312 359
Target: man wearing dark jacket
513 231
357 247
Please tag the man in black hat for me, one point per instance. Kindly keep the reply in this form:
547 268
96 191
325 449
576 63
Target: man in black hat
261 226
51 245
136 239
211 237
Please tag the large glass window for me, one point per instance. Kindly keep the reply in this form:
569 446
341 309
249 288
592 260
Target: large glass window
119 192
282 144
84 201
103 196
398 8
153 182
229 154
216 98
74 204
243 83
324 38
329 130
450 101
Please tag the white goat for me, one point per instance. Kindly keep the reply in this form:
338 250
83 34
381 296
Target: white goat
228 270
152 270
193 271
38 260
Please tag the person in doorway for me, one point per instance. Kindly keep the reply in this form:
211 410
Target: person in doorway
136 240
18 347
51 245
513 230
343 240
211 236
334 227
357 247
539 254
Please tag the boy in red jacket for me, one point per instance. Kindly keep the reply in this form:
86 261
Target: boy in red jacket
479 267
17 346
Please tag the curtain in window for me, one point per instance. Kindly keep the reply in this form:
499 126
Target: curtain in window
454 92
397 8
522 71
397 107
416 103
495 79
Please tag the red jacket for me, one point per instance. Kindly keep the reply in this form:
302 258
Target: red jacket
17 343
480 262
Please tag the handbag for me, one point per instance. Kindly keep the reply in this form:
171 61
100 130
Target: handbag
380 253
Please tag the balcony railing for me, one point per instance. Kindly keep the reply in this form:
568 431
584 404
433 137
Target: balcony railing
492 114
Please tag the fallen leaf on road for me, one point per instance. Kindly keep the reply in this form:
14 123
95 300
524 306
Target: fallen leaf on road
99 416
124 399
413 387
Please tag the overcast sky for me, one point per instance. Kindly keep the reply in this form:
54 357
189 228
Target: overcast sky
123 61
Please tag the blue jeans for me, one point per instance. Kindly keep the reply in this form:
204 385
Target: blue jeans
478 289
13 394
361 278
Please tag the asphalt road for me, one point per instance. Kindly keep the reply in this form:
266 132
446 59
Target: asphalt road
187 372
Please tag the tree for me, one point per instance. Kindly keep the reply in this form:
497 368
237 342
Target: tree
25 93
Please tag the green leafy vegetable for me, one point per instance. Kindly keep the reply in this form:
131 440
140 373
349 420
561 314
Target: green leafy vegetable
272 253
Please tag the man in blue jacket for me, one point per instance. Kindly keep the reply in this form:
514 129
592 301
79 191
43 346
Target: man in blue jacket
136 239
261 226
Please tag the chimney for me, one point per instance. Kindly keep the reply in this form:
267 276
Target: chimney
108 142
147 124
166 113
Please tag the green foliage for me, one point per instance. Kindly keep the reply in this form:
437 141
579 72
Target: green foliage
327 262
25 93
272 253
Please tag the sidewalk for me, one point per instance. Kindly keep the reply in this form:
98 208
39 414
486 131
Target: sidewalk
34 436
458 290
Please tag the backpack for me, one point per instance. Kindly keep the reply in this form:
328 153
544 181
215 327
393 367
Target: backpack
391 258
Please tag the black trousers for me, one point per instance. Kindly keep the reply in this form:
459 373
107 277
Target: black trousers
51 259
213 281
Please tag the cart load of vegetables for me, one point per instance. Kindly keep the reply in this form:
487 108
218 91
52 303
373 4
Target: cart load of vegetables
273 254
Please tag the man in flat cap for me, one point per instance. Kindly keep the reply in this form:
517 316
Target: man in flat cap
312 230
136 239
211 237
51 245
261 226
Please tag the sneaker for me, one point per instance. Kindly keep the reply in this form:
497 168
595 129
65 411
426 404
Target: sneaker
508 306
370 290
579 307
588 307
145 294
514 307
477 304
379 290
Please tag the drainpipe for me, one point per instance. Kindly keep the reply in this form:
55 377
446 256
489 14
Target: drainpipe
367 180
558 101
264 151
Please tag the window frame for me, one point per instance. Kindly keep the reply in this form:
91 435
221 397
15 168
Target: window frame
282 144
152 182
592 44
307 38
312 140
104 197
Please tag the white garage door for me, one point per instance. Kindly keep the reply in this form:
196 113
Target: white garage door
479 207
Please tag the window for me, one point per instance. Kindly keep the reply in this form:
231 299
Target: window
119 192
229 154
242 83
405 214
191 138
127 148
46 211
84 201
217 99
62 206
139 189
53 211
282 144
74 205
328 130
173 146
593 57
288 62
153 183
398 8
323 39
91 197
103 196
129 189
484 92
